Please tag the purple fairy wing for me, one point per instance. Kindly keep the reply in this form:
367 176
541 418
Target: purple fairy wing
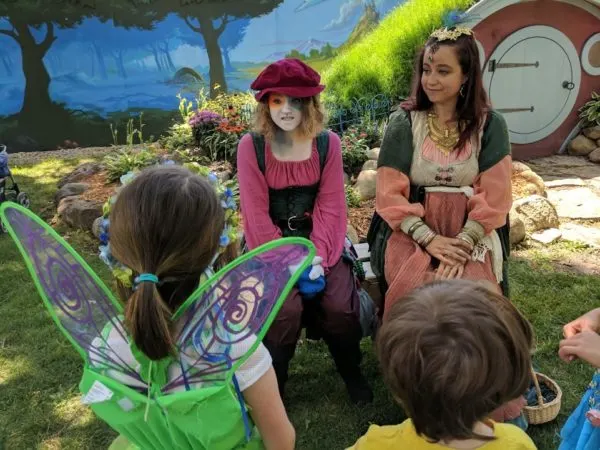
79 302
227 317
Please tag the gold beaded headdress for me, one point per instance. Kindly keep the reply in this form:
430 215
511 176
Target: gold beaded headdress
451 34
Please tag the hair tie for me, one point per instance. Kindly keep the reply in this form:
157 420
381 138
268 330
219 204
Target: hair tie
142 277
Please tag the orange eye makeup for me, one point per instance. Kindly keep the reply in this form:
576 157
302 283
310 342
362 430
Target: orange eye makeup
276 100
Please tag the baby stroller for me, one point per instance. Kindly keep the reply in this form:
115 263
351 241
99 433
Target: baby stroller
10 193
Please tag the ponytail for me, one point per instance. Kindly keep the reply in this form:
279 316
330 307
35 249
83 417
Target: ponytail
148 317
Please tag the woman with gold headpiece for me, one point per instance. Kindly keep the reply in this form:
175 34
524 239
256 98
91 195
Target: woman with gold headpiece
443 178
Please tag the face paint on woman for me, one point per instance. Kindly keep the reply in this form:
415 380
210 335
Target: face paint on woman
286 112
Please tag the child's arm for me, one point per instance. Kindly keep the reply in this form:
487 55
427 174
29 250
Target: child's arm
584 345
590 321
268 413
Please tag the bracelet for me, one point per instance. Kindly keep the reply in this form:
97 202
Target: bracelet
426 239
414 227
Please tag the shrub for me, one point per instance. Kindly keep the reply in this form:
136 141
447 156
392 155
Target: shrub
382 62
352 197
590 112
128 159
354 150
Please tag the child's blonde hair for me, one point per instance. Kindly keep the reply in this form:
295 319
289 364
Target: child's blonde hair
451 353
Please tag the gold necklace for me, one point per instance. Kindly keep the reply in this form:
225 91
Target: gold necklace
445 139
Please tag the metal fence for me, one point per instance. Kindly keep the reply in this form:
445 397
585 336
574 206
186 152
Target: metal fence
340 118
364 108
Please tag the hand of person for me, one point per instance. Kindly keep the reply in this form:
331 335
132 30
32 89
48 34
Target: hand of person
590 321
450 251
584 345
447 272
593 415
315 270
310 287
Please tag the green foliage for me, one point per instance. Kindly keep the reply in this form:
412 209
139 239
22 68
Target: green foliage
352 197
127 159
179 138
130 131
382 62
354 150
226 103
590 112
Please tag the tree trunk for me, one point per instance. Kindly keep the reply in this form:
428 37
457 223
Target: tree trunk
167 54
159 65
101 64
37 104
93 65
228 66
118 55
6 63
215 59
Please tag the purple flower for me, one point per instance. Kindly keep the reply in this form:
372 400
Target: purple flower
205 117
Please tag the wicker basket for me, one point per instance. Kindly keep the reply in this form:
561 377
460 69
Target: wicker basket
543 412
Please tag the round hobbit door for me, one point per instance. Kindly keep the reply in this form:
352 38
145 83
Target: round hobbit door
533 78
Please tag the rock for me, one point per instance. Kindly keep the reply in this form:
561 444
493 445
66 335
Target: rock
592 132
580 233
547 236
373 153
81 172
578 203
347 180
527 182
581 146
96 226
79 213
224 176
517 229
519 166
352 234
565 182
370 164
536 212
365 184
595 156
70 189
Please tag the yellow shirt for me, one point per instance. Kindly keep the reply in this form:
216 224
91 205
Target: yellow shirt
404 436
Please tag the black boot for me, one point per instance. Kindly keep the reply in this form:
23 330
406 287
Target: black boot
347 357
281 356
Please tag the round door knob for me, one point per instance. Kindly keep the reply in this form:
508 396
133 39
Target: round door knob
568 85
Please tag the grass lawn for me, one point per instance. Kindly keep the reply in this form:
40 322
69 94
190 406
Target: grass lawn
39 371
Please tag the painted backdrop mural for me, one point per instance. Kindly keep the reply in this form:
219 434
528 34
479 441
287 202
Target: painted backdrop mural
69 68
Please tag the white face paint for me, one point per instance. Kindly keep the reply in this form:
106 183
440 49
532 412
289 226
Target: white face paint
285 111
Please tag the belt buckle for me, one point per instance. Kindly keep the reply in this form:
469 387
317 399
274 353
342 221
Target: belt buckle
289 223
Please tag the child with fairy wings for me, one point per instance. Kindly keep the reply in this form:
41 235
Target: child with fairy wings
291 184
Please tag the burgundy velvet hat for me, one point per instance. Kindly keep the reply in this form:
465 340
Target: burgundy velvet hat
288 76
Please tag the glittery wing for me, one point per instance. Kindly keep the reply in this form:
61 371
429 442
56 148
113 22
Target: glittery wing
225 320
79 302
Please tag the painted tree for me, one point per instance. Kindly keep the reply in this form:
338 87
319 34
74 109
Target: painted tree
210 20
24 17
231 38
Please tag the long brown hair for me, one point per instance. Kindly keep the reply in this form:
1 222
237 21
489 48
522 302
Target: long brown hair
313 118
451 353
471 108
166 222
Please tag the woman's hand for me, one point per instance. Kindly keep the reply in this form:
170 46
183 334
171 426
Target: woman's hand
584 345
449 251
446 272
590 321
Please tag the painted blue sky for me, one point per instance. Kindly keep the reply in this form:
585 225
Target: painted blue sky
283 29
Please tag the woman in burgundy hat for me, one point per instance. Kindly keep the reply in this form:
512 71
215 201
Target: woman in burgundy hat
292 184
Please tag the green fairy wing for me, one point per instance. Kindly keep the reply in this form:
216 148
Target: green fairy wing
78 301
